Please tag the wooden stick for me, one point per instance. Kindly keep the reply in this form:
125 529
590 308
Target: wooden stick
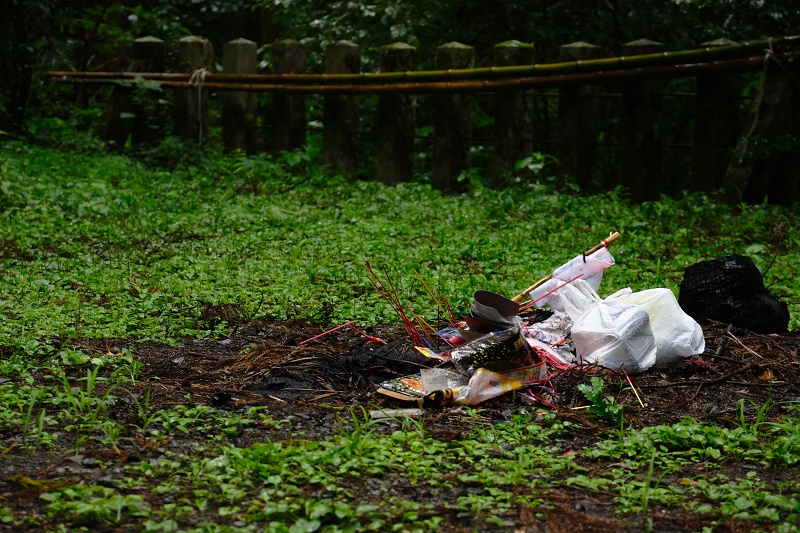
728 331
730 374
605 243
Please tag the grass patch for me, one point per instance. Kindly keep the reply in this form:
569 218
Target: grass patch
100 246
103 247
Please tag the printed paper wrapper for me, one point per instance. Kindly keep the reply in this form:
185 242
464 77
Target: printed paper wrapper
496 347
483 385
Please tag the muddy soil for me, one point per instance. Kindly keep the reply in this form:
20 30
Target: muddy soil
312 384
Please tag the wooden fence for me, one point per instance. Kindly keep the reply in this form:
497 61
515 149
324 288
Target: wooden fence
727 145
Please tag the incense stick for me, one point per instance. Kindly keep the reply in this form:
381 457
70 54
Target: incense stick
605 243
634 390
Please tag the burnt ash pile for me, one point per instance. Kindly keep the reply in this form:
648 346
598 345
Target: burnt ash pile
263 364
360 369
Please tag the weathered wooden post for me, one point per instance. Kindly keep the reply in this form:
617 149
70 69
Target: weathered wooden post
195 54
513 114
288 110
640 151
239 107
763 164
340 111
396 119
123 116
452 121
577 121
716 125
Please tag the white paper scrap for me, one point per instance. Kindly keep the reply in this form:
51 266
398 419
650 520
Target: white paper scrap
434 379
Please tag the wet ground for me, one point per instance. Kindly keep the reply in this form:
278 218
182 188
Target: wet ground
267 364
312 383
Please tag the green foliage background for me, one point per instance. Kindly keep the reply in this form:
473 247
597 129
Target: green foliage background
100 245
40 35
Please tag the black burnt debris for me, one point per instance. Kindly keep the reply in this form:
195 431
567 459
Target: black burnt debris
255 369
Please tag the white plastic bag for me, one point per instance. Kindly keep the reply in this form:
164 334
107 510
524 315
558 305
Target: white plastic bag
677 334
614 336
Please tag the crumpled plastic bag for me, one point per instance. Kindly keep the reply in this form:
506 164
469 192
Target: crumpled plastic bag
616 336
677 335
486 384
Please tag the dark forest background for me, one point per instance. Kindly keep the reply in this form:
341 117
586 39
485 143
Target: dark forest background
40 35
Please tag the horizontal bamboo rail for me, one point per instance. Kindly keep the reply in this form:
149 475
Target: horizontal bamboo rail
560 80
707 55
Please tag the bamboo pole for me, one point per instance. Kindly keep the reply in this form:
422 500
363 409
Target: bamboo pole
605 243
562 80
699 55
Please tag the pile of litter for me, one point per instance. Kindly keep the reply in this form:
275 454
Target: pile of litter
505 345
500 346
538 342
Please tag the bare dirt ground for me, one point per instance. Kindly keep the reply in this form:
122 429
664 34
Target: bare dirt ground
312 384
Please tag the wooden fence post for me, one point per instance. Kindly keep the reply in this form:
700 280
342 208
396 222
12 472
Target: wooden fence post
452 121
716 125
577 121
288 110
124 117
640 151
396 119
191 105
513 115
764 165
239 107
340 111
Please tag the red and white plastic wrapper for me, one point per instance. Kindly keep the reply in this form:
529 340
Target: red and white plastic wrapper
557 355
586 267
485 384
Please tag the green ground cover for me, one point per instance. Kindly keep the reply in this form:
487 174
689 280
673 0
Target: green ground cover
99 246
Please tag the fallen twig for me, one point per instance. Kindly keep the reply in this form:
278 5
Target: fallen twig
728 331
724 377
723 358
321 396
11 447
